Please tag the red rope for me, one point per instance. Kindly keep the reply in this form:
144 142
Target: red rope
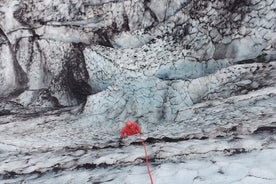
147 159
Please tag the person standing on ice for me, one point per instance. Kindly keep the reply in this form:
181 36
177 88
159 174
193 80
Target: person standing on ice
132 128
129 129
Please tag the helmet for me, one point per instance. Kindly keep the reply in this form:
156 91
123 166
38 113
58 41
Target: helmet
128 124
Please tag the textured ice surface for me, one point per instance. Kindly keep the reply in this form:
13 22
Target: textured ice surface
197 76
207 148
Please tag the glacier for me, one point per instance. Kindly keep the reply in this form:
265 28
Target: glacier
199 77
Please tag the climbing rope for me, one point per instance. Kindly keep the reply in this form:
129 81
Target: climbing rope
147 159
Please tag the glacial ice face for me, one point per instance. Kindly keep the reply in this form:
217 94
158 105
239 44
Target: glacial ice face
7 71
12 78
172 40
197 76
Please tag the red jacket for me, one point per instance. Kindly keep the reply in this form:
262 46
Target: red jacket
130 128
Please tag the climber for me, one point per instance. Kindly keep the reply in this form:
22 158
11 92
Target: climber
130 128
